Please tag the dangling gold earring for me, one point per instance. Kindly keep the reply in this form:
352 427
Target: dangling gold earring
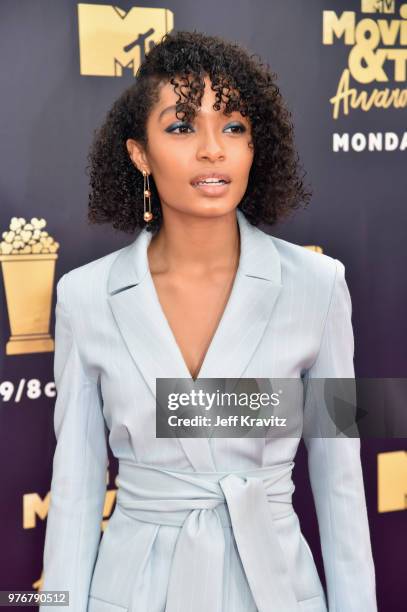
148 215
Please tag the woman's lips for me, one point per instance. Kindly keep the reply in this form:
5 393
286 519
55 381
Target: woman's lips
212 190
210 176
211 183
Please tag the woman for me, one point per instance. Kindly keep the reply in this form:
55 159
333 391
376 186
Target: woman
198 152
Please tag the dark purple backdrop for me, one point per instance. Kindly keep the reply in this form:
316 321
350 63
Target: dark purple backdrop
358 214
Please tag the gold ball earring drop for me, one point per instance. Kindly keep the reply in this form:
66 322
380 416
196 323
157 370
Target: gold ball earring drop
148 215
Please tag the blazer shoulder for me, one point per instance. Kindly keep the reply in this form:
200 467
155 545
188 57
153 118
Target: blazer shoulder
299 262
88 282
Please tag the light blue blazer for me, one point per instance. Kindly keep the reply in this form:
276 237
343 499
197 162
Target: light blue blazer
201 524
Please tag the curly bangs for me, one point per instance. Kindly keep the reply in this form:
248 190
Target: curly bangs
242 83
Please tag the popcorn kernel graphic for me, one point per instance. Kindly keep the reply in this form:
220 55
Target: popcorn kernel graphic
28 255
27 238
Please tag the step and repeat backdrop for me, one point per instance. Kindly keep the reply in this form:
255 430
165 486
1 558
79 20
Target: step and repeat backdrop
342 70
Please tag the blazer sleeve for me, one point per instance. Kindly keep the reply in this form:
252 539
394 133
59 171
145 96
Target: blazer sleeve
78 484
335 469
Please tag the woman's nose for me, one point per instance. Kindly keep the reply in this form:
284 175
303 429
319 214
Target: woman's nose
209 146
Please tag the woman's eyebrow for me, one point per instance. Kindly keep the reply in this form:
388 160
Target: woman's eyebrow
166 110
172 108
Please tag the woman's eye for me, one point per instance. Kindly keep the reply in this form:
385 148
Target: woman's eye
237 126
180 126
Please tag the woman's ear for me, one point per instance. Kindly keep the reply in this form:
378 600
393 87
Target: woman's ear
137 155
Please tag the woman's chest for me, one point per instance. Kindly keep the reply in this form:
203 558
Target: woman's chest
193 311
285 350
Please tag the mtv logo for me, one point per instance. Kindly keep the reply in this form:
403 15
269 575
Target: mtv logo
378 6
112 39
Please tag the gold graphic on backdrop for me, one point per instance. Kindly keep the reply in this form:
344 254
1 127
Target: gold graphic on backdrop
34 507
111 39
378 53
392 481
37 585
378 6
28 256
314 247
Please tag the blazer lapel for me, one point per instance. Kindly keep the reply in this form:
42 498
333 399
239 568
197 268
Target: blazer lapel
149 338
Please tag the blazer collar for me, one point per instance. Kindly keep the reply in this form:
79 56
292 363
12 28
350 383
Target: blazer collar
150 340
259 257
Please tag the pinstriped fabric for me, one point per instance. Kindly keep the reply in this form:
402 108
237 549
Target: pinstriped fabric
340 498
289 315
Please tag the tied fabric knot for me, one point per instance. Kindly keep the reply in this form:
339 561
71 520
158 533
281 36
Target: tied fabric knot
202 504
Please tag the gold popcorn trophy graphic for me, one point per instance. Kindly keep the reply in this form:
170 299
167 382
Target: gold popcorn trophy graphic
28 256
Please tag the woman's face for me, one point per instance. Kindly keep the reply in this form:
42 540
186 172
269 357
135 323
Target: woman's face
179 154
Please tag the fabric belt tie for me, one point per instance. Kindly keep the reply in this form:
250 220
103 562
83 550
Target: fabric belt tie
202 504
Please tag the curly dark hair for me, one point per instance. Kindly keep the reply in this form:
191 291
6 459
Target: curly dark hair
241 82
